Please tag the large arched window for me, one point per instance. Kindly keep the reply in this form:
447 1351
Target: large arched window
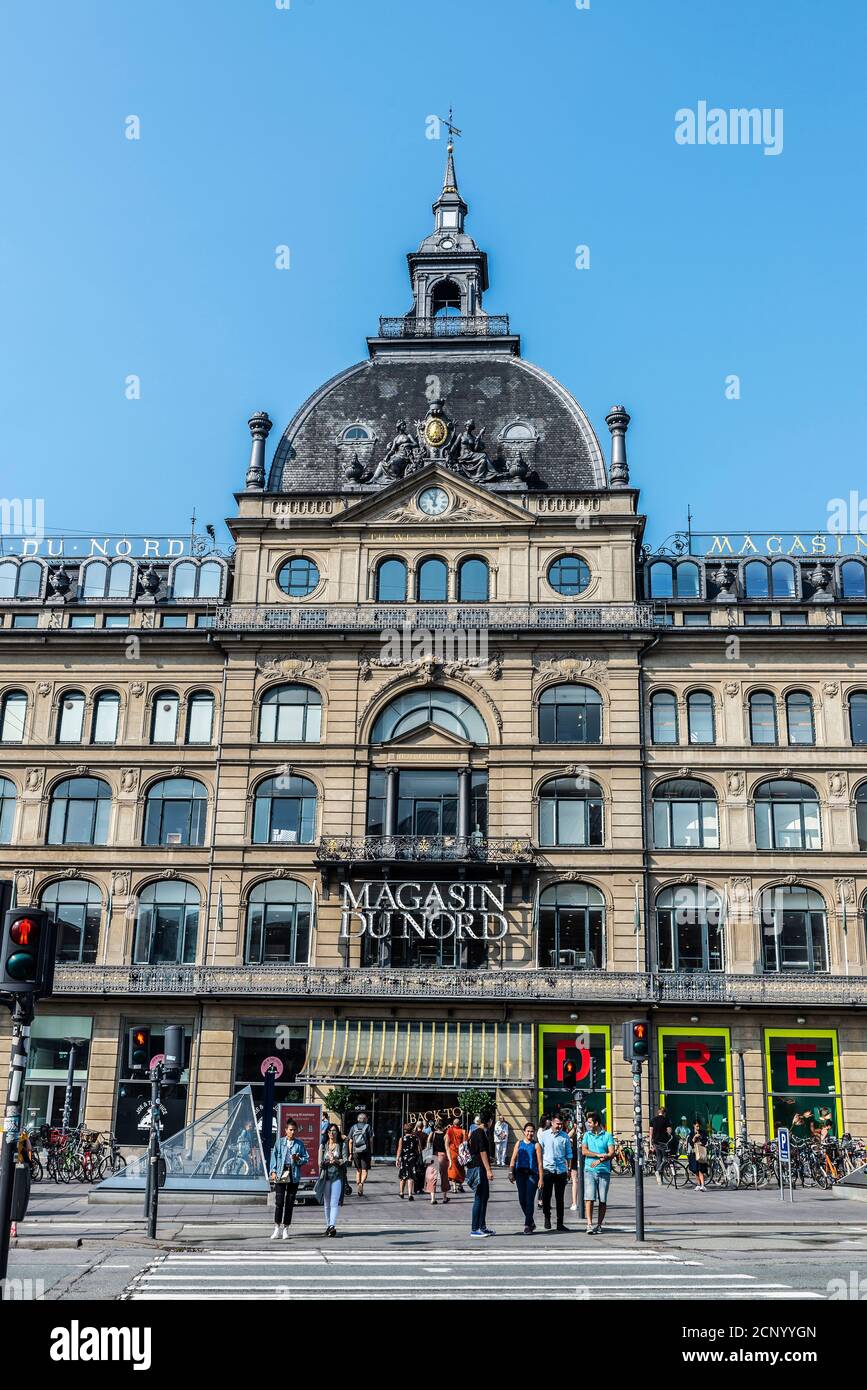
279 923
699 716
570 714
20 580
107 579
763 717
164 717
687 580
70 717
663 717
79 814
572 927
445 709
7 810
175 812
200 717
787 815
757 580
689 928
794 929
77 907
284 811
783 582
473 581
432 581
799 718
860 815
445 301
391 581
857 718
106 709
685 815
853 579
167 924
13 716
570 812
290 714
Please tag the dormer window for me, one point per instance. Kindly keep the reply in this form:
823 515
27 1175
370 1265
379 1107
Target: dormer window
356 434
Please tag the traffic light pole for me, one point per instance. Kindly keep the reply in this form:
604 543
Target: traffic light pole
579 1136
639 1149
22 1017
153 1182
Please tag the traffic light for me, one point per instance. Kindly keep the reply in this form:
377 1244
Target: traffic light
173 1048
570 1072
635 1040
139 1049
28 950
593 1075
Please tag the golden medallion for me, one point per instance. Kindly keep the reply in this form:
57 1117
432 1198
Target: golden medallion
435 431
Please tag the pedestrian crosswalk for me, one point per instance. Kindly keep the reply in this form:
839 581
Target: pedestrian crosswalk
443 1274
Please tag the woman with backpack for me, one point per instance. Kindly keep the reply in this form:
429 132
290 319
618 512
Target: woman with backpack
407 1160
456 1135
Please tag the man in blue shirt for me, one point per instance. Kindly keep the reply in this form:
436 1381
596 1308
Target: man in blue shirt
556 1156
597 1147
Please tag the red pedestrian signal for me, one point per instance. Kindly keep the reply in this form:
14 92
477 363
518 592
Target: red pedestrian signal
636 1040
27 952
139 1049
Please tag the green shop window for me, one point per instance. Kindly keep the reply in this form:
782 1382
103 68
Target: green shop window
565 1055
695 1077
802 1069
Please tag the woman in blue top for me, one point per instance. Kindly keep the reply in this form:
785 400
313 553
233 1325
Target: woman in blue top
525 1169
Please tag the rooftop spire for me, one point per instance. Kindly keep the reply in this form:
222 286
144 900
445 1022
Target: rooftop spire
450 181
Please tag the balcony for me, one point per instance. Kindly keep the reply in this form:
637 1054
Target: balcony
457 326
529 985
374 617
341 858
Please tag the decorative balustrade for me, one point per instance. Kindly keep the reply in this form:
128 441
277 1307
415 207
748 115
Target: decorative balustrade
445 326
437 848
375 617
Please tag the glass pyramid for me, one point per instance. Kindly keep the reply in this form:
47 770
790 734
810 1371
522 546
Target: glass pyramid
221 1152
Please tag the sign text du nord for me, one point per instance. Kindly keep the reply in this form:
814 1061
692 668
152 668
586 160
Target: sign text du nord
428 911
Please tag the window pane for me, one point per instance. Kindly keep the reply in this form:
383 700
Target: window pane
14 714
433 582
105 718
184 580
799 710
391 582
756 580
95 579
664 718
661 581
661 832
200 719
763 719
165 719
119 579
858 718
210 580
700 713
783 579
71 718
687 580
473 582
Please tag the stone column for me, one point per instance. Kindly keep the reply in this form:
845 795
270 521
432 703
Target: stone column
617 421
390 826
260 427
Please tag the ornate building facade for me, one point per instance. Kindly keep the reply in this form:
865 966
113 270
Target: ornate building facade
439 777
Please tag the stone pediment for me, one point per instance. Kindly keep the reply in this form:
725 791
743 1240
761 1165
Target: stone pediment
430 736
469 505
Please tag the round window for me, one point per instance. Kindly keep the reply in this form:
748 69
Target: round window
569 575
298 577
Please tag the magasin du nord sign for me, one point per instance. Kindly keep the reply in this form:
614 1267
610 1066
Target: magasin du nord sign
432 912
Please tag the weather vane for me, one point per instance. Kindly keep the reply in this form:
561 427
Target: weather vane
452 129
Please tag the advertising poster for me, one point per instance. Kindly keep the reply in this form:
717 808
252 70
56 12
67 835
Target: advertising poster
308 1118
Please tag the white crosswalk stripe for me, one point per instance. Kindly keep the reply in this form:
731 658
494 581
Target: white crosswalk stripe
379 1274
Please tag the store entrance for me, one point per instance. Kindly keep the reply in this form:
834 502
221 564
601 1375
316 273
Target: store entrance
388 1111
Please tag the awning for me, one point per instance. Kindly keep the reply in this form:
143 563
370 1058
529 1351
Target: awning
419 1052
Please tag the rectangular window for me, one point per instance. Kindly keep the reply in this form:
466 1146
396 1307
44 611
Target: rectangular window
757 620
695 1077
204 620
793 619
855 619
802 1075
117 620
564 1063
82 620
132 1119
255 1044
174 620
25 620
696 619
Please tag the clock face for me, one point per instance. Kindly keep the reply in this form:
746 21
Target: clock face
433 501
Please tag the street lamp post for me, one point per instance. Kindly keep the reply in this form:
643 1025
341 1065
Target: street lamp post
74 1043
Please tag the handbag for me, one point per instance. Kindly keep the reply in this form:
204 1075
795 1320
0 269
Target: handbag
427 1155
700 1153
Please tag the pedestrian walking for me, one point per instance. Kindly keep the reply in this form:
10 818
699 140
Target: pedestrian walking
333 1162
556 1154
361 1150
436 1177
421 1142
407 1160
501 1141
525 1171
289 1154
660 1139
480 1175
697 1150
597 1148
456 1135
575 1141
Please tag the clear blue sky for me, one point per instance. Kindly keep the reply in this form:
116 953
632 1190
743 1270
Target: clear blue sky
306 126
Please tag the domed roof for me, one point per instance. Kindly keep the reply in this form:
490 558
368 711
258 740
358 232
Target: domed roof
522 409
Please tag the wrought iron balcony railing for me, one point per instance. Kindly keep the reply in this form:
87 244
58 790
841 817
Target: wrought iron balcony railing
415 848
446 326
375 617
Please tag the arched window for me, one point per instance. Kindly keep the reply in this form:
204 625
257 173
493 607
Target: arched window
290 714
445 709
279 923
175 812
7 810
661 580
164 717
298 577
13 715
570 714
107 579
860 815
20 581
195 579
756 580
783 582
570 812
799 718
70 717
571 927
794 929
857 718
689 928
79 814
663 717
685 815
106 709
687 580
569 575
77 906
853 579
518 432
167 924
200 717
763 717
432 581
355 434
210 579
391 581
787 815
445 300
473 581
699 716
284 811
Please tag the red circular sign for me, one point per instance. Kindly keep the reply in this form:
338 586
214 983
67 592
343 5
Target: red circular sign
272 1062
156 1059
